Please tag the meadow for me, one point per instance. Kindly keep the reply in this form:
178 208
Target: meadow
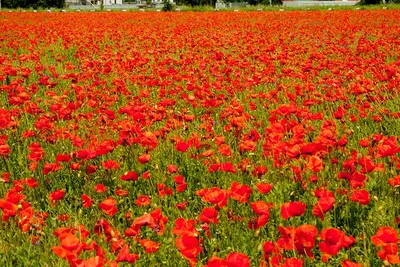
219 139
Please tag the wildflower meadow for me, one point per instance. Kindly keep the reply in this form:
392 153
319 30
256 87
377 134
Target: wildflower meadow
219 139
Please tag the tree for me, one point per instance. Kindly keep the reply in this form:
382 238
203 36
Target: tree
55 3
194 3
167 6
33 3
370 2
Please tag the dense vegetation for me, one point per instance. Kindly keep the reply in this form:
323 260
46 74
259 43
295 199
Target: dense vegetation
205 139
33 3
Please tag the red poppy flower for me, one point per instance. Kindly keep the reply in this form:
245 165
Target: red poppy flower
293 262
51 167
57 195
334 240
142 201
292 209
149 140
110 165
181 187
143 159
28 134
216 262
172 168
259 171
5 177
268 248
394 181
367 164
149 245
108 206
238 122
214 167
189 247
323 205
9 209
360 196
182 146
224 150
260 207
69 242
92 262
60 252
207 154
36 152
384 236
389 253
182 205
287 239
146 175
180 181
253 135
258 222
63 158
5 150
236 259
387 148
227 167
63 217
185 227
311 149
125 256
121 192
348 263
305 237
100 188
248 145
219 140
86 201
74 166
91 169
215 196
315 164
31 182
155 220
163 190
209 215
130 176
264 188
240 192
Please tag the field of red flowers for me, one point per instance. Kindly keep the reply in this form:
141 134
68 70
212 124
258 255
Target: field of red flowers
200 139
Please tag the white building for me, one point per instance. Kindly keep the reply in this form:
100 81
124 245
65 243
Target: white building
110 2
94 2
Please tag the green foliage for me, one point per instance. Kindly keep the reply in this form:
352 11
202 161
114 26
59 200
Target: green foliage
167 6
193 3
275 2
259 2
370 2
254 2
33 3
112 66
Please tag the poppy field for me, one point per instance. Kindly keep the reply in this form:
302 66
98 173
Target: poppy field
226 139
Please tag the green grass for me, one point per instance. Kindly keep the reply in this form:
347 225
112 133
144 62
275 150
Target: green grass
116 57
